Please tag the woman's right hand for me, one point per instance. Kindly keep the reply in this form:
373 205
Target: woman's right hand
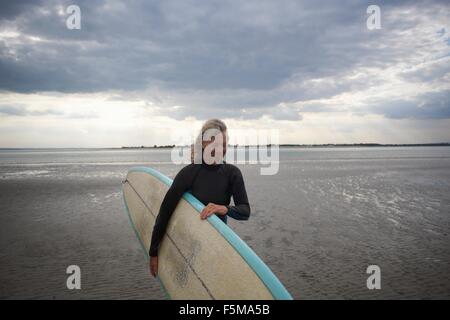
154 266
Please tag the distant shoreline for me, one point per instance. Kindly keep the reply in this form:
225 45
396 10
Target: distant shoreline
306 146
328 145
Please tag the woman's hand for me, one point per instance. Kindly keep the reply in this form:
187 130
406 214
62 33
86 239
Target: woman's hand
213 208
154 266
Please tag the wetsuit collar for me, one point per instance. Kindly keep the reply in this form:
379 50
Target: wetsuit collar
212 166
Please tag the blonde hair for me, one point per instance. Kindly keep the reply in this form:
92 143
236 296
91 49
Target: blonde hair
208 125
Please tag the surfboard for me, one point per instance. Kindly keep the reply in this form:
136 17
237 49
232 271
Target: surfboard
197 259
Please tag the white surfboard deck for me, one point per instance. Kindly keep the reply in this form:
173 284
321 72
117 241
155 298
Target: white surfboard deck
198 259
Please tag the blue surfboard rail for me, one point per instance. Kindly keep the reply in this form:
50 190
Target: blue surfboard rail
266 275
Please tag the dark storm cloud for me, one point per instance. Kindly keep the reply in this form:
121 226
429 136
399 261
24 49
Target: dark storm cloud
21 110
12 110
227 57
433 105
184 44
10 9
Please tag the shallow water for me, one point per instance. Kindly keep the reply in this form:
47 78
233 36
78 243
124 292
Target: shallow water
318 223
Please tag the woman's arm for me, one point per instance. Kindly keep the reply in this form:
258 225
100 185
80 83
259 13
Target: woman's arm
241 208
180 184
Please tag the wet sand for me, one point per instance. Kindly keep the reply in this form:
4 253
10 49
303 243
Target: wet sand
318 224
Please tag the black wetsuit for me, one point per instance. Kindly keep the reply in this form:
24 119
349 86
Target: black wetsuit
208 183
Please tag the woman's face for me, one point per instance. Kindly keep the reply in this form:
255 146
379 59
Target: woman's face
221 137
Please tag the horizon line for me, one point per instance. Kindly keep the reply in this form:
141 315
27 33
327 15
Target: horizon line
362 144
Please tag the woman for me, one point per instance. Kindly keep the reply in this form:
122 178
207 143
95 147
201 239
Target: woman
211 182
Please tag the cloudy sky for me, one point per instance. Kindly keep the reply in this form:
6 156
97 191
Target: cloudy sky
137 71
